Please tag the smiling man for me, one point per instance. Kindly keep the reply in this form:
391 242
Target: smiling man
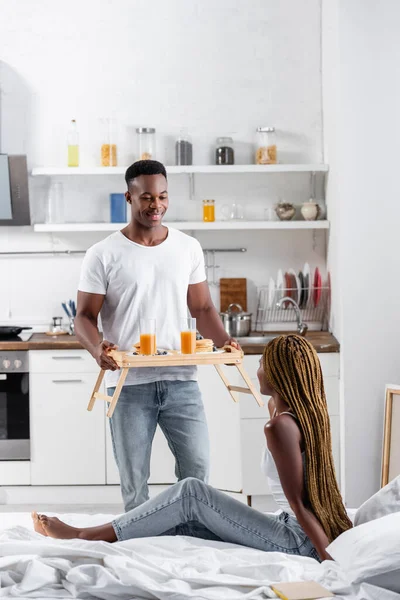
148 270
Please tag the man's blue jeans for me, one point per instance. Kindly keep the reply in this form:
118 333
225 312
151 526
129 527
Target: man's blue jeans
177 407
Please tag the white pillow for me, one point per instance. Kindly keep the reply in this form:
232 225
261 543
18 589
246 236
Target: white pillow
370 553
384 502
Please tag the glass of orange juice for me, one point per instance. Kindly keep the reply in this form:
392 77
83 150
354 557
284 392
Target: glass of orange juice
188 336
148 343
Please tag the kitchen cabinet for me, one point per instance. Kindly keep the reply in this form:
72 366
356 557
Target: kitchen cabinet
223 418
69 445
15 472
67 441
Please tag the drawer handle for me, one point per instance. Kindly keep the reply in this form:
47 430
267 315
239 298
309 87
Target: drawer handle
67 380
66 357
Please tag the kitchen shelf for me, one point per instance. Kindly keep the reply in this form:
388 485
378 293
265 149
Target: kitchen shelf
186 226
207 169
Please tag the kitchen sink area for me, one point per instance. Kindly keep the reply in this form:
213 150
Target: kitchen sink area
256 339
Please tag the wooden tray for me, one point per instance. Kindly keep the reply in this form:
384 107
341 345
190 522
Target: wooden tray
126 360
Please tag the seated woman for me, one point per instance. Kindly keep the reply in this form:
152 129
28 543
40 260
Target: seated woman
298 463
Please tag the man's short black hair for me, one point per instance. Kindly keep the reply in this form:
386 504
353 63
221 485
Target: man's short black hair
144 167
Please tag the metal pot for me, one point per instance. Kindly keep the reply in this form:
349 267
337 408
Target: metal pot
236 323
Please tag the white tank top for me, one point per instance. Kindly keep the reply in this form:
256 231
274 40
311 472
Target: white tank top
269 469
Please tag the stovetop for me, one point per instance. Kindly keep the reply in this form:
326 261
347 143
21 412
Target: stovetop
24 336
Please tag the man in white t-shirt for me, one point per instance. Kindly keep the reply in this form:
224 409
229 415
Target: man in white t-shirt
148 270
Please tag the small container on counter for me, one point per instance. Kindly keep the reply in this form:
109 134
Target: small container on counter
118 207
183 149
208 211
146 143
266 153
108 151
56 327
224 152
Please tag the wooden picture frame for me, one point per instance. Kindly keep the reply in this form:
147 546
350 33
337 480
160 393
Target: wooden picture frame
391 436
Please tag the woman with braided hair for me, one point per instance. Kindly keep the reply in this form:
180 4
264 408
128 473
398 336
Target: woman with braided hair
297 461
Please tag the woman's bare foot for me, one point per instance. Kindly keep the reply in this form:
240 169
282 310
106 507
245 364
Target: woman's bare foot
54 528
37 525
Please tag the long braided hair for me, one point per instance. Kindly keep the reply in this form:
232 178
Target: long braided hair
292 368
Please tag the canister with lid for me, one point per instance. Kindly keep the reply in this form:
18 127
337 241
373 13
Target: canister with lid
266 153
146 142
224 151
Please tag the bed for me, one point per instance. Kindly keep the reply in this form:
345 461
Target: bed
177 568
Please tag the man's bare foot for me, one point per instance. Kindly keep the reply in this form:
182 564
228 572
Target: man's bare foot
55 528
37 525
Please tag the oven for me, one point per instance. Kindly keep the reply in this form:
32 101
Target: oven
14 405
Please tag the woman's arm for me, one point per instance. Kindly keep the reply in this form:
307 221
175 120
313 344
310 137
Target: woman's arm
283 440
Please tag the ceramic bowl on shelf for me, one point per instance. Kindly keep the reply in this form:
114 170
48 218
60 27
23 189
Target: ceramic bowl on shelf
311 211
285 211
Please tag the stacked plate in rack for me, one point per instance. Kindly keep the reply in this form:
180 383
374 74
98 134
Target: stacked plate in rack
304 287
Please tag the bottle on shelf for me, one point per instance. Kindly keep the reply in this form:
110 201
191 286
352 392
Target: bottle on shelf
73 145
208 211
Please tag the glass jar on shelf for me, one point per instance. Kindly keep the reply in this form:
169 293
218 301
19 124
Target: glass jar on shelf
266 153
54 207
183 149
108 151
224 152
146 142
208 211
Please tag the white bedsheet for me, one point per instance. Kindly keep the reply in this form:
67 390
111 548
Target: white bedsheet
166 568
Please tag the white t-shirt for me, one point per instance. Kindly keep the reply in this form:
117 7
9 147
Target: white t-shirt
144 282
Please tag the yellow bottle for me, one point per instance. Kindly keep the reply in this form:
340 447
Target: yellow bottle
73 145
208 211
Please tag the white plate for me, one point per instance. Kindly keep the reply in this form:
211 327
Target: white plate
271 292
161 350
216 352
279 286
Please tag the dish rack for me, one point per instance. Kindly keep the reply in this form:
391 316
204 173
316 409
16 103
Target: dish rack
314 310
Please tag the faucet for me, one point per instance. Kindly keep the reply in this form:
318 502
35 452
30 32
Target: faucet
302 327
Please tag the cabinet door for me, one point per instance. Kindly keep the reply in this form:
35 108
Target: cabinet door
223 418
253 443
162 463
67 441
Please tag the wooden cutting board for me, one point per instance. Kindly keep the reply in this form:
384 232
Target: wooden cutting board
233 291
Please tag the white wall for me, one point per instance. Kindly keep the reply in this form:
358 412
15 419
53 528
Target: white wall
362 129
217 68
